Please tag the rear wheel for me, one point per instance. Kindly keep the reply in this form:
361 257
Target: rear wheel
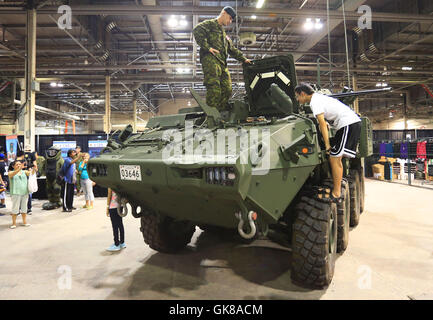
362 197
355 196
314 242
164 234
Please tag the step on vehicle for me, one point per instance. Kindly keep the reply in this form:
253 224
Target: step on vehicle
258 169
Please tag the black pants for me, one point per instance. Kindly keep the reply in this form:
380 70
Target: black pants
29 203
117 224
67 195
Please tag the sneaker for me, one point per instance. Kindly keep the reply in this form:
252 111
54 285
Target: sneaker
73 208
122 245
13 226
113 248
84 207
26 225
89 207
29 212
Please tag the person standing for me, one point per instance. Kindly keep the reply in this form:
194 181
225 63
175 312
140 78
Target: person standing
19 191
69 180
341 118
78 184
4 180
30 161
215 46
116 222
86 183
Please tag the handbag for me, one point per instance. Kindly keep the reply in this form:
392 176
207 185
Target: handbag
32 183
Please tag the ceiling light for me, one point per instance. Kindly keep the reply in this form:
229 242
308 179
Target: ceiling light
172 22
260 4
95 101
53 84
319 25
183 23
60 85
253 17
308 24
182 70
406 68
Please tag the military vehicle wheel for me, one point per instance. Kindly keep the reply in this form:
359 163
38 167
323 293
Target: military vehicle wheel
314 242
343 215
355 197
165 234
362 198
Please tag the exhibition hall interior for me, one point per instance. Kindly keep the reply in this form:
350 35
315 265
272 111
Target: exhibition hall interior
216 150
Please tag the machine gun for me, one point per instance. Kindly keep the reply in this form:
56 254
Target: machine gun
348 96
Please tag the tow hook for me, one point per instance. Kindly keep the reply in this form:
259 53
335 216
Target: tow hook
251 217
123 209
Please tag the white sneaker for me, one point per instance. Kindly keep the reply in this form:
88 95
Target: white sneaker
26 225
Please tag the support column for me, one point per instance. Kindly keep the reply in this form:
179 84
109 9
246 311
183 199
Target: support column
29 120
355 88
107 117
134 113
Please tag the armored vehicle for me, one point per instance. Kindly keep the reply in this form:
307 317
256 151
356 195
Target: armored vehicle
261 170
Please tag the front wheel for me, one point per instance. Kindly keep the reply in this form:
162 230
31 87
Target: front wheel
314 242
164 234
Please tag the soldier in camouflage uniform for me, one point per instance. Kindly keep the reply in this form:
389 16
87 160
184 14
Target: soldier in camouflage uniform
215 46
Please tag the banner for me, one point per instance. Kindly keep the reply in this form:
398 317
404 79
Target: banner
65 146
96 146
11 147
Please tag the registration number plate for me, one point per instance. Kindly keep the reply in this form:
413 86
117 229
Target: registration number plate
130 172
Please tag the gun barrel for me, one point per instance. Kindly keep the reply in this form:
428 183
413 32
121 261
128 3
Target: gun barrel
358 93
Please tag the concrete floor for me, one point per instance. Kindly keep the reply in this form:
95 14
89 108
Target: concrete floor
62 256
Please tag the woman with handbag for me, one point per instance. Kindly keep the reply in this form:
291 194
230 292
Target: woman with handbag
19 191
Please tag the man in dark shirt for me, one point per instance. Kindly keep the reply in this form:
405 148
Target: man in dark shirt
70 179
30 162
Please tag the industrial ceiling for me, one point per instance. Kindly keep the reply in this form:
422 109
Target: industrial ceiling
146 54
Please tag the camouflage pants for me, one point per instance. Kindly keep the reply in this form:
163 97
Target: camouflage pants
53 191
217 82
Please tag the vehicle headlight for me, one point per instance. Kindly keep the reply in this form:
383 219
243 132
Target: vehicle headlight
224 176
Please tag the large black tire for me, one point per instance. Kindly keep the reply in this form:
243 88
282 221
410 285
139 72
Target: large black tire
355 197
343 215
362 183
164 234
314 243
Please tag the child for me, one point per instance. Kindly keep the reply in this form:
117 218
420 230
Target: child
116 222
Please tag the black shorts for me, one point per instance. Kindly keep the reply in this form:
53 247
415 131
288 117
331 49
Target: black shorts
345 142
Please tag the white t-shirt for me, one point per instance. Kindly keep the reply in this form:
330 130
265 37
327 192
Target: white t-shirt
335 112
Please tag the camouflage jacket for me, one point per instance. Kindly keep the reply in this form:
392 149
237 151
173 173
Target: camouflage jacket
209 34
